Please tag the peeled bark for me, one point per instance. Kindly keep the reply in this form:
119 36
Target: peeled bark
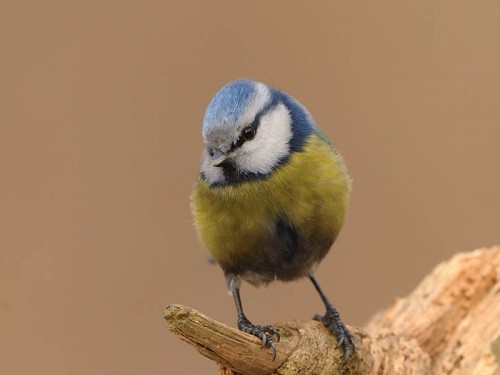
450 324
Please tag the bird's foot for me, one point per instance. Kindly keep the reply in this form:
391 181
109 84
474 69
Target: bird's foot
344 338
268 334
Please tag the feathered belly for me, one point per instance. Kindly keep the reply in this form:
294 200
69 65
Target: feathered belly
278 227
266 244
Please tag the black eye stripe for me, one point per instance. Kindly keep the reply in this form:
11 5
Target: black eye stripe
255 123
241 139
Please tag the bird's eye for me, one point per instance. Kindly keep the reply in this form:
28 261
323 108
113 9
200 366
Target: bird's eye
248 133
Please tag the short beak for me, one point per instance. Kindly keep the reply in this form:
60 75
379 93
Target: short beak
219 159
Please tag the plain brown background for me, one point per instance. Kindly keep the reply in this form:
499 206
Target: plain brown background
101 109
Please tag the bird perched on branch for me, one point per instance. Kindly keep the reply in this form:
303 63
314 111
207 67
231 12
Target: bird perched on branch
271 196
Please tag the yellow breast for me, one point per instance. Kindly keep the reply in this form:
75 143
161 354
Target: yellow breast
312 189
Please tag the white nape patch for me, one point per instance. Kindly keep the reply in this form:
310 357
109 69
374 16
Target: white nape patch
270 145
257 102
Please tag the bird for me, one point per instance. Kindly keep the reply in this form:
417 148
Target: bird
270 197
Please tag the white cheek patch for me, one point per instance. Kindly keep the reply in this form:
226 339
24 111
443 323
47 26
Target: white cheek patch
270 145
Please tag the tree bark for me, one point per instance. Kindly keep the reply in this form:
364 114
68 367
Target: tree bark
450 324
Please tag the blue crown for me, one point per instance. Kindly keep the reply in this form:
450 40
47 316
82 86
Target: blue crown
229 103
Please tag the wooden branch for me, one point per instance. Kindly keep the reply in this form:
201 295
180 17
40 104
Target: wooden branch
453 314
301 343
450 324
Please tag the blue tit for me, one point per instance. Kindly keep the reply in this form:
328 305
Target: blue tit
271 196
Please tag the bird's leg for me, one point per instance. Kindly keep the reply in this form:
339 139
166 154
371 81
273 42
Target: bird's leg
265 333
333 322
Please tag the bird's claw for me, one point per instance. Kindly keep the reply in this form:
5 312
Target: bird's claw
344 338
268 334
